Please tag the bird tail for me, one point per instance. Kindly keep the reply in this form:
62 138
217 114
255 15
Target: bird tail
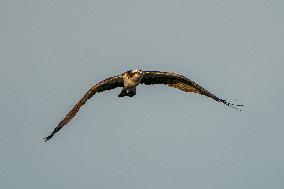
129 93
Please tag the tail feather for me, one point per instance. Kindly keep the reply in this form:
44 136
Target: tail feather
129 93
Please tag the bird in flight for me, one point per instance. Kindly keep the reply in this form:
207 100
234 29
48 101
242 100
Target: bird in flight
129 80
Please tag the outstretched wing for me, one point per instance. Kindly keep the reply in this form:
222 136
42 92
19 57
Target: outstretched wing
180 82
106 84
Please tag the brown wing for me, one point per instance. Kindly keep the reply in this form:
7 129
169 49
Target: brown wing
106 84
179 82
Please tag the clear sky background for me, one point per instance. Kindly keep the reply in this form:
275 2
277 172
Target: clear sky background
52 52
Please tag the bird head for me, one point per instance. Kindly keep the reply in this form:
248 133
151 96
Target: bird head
136 71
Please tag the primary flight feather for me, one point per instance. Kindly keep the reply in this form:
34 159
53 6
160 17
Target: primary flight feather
130 80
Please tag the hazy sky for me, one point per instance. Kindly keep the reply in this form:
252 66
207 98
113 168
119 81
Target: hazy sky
52 52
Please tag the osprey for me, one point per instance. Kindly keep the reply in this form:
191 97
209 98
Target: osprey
130 80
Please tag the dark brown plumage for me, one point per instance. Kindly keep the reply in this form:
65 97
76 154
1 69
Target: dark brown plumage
179 82
106 84
130 80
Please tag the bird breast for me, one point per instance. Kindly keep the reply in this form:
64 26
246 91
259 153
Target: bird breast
130 82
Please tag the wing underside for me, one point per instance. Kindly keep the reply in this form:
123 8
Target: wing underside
180 82
104 85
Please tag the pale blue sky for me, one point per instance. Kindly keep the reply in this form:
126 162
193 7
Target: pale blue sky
51 52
